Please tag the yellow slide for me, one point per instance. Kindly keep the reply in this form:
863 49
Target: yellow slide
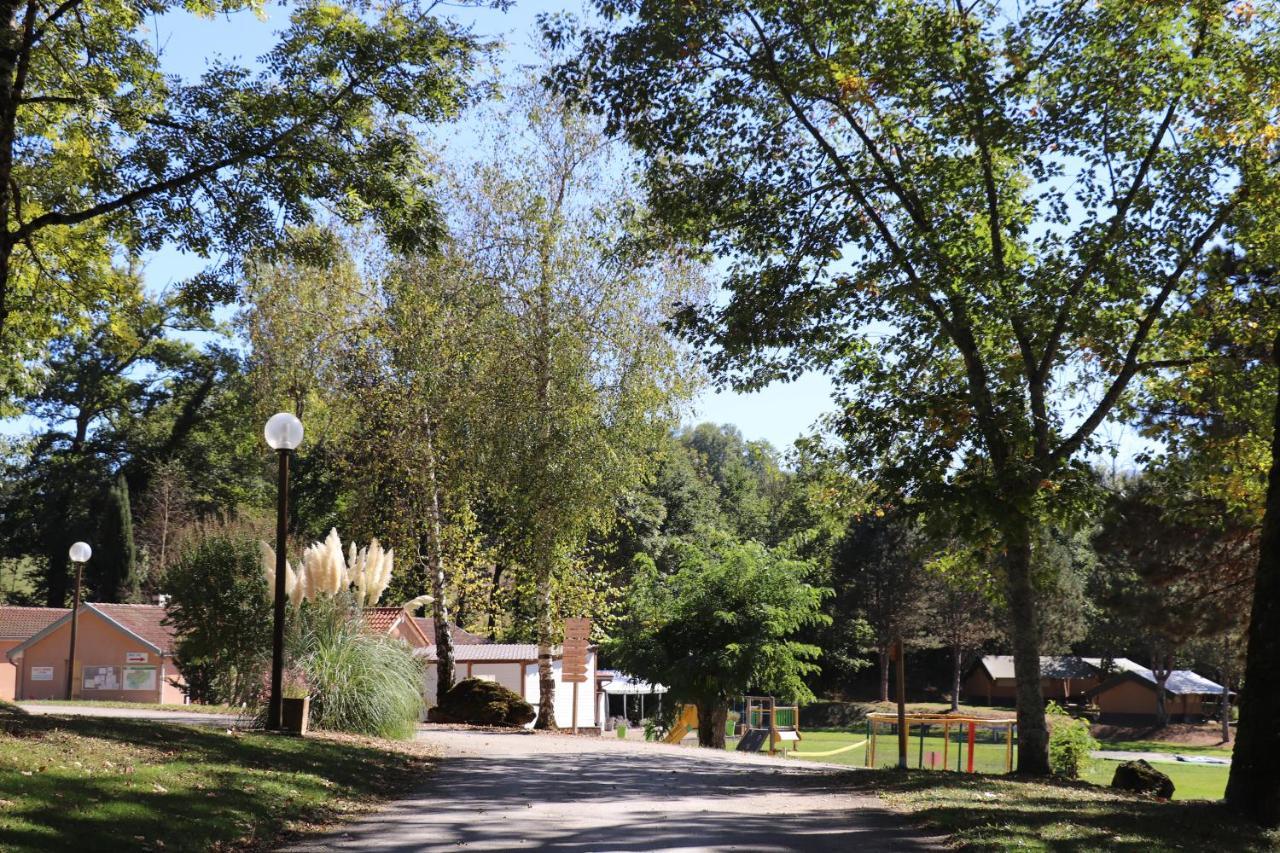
685 723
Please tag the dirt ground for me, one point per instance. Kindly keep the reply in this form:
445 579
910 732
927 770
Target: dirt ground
1190 734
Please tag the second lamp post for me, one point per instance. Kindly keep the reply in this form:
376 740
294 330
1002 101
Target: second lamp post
283 433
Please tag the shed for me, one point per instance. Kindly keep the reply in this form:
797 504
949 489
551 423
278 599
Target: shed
16 625
124 653
1129 696
515 666
1063 678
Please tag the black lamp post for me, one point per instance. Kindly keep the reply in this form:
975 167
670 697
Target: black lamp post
80 554
283 433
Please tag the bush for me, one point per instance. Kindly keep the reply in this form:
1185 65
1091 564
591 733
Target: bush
218 607
1070 743
359 682
484 703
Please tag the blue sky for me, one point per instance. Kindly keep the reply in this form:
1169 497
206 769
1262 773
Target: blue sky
779 413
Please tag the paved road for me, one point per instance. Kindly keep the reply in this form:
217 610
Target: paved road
1168 757
525 791
192 718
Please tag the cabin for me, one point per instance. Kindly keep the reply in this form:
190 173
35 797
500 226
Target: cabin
1063 678
515 666
1129 696
124 653
16 625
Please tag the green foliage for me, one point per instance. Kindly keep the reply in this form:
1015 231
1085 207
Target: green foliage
113 572
359 682
484 703
723 623
1070 743
219 610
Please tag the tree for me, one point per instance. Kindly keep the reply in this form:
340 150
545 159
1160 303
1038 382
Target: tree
958 591
977 218
726 621
879 572
164 515
220 612
113 574
589 380
99 150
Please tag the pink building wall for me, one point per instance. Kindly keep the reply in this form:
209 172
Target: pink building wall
8 672
98 644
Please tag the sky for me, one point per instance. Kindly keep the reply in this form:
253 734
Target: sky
779 413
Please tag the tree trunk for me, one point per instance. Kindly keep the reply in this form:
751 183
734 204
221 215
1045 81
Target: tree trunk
957 655
1254 784
1024 630
712 717
445 667
493 600
1224 708
546 678
884 674
1161 667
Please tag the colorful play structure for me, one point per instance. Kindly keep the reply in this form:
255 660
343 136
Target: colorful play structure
765 721
979 744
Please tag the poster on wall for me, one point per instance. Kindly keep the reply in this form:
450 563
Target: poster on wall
101 678
42 673
135 657
139 678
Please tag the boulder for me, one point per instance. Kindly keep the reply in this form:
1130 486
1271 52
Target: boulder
1141 778
483 703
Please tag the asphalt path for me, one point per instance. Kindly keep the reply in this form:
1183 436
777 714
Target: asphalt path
527 791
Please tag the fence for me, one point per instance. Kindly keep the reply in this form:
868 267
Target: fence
943 742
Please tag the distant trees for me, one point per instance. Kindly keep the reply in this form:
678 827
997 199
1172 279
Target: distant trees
725 620
959 595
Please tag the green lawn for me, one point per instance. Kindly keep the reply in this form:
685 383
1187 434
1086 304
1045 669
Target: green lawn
193 708
71 783
990 813
1190 781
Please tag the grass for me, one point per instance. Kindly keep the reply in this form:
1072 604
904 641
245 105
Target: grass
1190 781
988 757
229 710
989 813
131 785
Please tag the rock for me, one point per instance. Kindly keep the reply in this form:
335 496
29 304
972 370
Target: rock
483 703
1141 778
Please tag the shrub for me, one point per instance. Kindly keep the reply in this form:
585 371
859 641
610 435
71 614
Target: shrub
484 703
1070 743
223 622
359 682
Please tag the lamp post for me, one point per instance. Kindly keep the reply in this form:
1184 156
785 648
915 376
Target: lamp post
283 433
80 554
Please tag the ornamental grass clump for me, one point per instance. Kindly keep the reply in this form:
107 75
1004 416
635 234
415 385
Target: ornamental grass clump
359 682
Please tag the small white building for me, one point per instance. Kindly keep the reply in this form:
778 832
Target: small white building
515 667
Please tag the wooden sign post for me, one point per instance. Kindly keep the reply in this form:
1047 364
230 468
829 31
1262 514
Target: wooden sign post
573 664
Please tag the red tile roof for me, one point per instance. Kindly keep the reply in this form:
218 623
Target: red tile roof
19 623
459 636
381 619
145 620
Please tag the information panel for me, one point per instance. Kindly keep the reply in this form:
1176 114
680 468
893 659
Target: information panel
140 678
577 637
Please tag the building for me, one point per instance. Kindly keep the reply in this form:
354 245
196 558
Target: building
396 622
515 666
16 625
124 653
1129 696
459 636
1063 678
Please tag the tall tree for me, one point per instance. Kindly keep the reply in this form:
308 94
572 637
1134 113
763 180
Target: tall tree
977 216
113 574
100 149
589 378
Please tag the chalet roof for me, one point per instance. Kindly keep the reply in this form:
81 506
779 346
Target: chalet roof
1181 682
19 623
1051 666
492 652
143 622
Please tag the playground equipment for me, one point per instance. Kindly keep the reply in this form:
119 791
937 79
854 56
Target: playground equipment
686 722
980 745
765 721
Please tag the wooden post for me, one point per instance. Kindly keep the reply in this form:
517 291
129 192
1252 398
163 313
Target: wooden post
902 704
575 707
973 728
1008 748
946 745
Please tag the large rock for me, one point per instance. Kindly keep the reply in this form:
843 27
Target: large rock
483 703
1141 778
